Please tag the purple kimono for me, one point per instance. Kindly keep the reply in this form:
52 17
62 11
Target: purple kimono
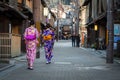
48 45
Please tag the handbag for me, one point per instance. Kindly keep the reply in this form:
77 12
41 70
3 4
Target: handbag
38 54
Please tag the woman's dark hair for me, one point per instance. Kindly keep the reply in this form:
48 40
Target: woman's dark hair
32 22
48 25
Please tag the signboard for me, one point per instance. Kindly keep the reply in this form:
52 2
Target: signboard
116 34
66 28
64 22
116 29
116 38
67 22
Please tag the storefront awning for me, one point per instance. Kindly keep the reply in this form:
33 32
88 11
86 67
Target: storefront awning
97 19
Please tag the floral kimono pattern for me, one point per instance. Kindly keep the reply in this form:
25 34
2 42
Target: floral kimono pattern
53 38
31 45
48 45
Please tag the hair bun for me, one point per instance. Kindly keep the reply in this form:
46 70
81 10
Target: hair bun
32 22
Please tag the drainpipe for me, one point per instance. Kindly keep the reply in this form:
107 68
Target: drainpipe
10 29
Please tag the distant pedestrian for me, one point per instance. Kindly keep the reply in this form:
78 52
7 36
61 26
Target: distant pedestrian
48 35
30 35
78 40
73 40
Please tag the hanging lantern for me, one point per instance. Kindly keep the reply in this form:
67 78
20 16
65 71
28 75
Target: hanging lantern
46 11
95 27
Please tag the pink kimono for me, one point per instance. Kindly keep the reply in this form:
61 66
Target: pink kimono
31 45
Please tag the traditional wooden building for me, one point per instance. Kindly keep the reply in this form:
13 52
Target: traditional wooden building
96 20
14 15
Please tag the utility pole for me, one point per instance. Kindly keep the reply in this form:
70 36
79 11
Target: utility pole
110 28
36 14
78 11
77 17
57 22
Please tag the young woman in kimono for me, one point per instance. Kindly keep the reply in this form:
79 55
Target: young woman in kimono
30 35
48 43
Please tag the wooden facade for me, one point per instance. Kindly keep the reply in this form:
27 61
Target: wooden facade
96 14
14 16
8 47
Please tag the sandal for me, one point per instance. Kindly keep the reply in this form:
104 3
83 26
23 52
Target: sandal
30 68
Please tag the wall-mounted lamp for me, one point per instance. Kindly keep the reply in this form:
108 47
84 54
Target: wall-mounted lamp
95 27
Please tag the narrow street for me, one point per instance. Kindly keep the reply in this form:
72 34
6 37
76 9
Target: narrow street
69 63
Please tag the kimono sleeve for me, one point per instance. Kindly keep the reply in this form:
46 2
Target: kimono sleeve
37 33
25 33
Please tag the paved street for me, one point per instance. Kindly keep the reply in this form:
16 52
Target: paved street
69 63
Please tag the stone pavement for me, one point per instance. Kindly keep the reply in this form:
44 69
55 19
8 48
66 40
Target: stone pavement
4 66
68 63
101 53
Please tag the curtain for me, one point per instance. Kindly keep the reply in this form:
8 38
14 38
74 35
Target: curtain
94 8
100 7
104 4
87 12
